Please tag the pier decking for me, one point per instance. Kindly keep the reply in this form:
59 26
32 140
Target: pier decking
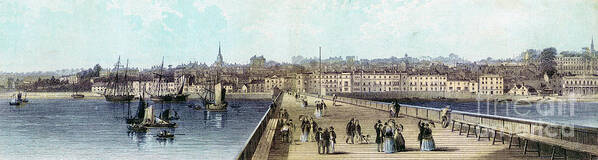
450 145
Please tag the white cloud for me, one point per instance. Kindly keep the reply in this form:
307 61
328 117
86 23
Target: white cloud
149 11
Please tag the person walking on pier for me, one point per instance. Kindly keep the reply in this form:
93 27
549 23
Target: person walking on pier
291 130
350 131
425 137
318 138
358 131
378 128
388 139
399 139
325 141
332 139
305 128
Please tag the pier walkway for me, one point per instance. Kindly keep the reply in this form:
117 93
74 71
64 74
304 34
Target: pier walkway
450 145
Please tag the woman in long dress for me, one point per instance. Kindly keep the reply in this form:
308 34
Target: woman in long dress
399 139
305 127
332 139
427 141
388 139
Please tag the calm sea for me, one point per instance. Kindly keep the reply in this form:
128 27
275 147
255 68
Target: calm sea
96 129
567 113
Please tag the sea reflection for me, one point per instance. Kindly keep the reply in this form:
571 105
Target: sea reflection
215 119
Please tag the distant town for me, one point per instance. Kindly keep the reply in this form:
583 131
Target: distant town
533 72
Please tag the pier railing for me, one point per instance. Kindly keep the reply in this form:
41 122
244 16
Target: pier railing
570 133
253 141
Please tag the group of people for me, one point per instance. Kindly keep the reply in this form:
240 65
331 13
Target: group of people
353 129
389 137
320 106
325 138
288 127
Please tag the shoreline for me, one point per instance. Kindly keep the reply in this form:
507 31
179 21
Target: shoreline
91 95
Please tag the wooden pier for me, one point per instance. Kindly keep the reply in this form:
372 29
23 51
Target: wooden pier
449 144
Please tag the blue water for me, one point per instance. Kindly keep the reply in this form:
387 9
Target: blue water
96 129
567 112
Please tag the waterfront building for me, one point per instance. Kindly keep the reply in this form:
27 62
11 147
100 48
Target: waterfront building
379 81
462 86
491 84
256 86
436 83
522 90
98 87
580 85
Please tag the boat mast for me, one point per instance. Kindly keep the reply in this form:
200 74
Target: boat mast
116 80
160 77
126 82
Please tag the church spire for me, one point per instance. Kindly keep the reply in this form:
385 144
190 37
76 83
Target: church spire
219 60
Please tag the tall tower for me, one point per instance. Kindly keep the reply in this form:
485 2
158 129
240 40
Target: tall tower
219 61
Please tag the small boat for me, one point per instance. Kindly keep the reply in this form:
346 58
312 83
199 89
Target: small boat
137 128
14 102
77 96
165 135
18 100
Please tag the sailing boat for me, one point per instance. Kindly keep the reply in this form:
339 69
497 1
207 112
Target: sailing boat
140 110
169 114
149 120
118 90
159 97
214 100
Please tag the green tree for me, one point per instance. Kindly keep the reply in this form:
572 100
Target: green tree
96 70
547 63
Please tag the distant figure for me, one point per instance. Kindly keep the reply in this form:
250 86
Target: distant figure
332 139
325 141
388 139
397 109
445 116
425 136
334 100
350 131
318 111
378 128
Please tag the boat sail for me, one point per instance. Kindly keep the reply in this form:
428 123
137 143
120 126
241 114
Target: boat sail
149 120
118 91
140 110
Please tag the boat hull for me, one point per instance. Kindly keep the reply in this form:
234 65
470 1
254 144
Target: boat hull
170 125
14 103
217 107
78 96
170 98
118 98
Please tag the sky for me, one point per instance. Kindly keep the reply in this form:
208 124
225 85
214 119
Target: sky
45 35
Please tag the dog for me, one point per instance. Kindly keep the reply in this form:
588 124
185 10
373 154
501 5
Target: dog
364 139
